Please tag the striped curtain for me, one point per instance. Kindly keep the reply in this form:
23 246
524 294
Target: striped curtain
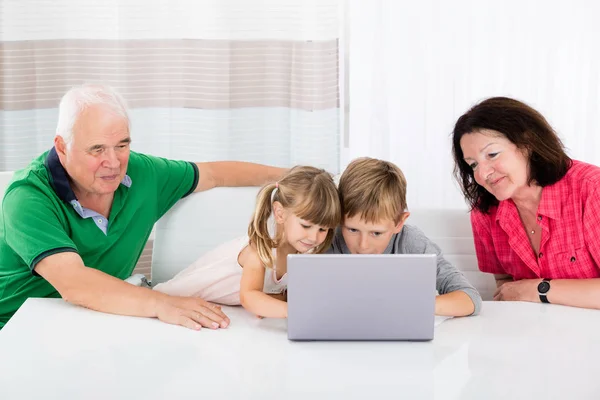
205 79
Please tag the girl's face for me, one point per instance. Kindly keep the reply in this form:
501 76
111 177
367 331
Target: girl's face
302 235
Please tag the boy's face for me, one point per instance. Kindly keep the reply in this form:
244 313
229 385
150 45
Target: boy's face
363 237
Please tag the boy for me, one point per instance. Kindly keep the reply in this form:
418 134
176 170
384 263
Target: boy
373 197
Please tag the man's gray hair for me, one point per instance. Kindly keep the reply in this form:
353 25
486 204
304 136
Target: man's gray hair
78 98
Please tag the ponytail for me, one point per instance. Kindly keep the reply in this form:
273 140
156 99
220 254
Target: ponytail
258 230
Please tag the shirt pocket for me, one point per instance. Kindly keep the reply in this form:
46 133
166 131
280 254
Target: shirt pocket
573 264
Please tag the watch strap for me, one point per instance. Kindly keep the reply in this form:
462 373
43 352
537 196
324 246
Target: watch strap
544 296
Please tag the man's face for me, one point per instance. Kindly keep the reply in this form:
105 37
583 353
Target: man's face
363 237
96 159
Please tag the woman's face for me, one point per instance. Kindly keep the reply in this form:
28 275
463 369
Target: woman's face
498 165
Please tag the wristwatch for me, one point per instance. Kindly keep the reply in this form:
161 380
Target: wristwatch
543 288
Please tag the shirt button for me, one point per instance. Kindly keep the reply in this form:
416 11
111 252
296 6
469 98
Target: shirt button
99 221
539 217
541 255
573 259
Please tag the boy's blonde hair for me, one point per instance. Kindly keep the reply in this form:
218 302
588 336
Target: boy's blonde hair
310 194
374 189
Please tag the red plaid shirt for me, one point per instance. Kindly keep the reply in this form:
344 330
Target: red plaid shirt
569 214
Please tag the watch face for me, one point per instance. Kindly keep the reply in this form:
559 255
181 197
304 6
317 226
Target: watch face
543 287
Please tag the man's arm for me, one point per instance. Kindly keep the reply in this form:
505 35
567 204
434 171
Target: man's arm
235 173
93 289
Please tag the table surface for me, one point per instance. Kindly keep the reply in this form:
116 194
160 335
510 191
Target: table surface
513 350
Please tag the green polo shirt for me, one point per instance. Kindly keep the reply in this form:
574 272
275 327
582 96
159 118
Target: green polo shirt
40 216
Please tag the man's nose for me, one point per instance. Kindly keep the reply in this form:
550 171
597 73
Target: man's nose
110 159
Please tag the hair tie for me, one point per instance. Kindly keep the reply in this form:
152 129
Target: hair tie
274 191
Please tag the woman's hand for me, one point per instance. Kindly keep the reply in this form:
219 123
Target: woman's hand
522 290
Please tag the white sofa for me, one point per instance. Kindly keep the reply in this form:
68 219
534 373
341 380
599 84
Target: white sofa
5 177
202 221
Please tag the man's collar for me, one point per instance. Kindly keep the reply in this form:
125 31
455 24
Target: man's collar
60 179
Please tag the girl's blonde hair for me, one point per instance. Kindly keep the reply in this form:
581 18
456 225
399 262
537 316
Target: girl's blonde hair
310 194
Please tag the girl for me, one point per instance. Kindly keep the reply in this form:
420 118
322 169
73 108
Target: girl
298 214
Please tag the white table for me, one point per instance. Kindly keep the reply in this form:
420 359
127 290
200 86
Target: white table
53 350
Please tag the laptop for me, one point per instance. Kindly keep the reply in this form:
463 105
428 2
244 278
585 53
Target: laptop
361 296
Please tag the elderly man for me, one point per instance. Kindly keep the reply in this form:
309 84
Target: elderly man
74 222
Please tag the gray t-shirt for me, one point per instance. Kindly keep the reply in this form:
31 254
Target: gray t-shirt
411 240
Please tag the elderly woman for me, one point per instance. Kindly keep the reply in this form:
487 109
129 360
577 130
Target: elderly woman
535 212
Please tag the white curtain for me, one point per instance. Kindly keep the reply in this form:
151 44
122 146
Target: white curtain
206 79
415 67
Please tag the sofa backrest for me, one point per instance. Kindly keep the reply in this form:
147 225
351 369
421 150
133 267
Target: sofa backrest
451 230
198 223
204 220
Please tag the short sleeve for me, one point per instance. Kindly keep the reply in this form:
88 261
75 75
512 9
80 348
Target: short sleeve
174 179
484 244
591 224
35 225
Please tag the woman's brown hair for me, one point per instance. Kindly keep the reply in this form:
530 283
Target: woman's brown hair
523 126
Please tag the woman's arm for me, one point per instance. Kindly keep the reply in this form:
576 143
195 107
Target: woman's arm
251 288
583 293
501 279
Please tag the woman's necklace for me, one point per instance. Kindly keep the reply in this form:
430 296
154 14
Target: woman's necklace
531 231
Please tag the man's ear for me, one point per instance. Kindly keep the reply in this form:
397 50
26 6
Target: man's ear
401 222
60 145
279 212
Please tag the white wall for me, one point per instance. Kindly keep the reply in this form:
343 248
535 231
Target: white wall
415 67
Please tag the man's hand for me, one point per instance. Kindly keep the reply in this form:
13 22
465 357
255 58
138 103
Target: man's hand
191 312
522 290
